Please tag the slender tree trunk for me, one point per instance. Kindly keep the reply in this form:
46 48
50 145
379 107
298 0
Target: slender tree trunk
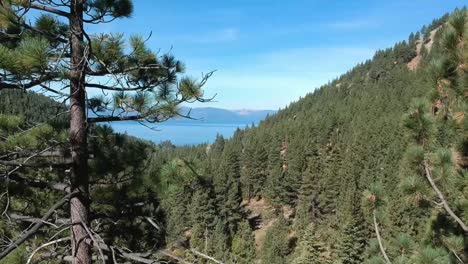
79 205
379 239
442 198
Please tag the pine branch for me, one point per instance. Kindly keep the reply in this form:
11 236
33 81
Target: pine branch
43 33
62 187
36 165
48 9
46 78
102 119
107 71
112 88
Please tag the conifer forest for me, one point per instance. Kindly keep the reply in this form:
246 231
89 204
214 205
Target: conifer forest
371 167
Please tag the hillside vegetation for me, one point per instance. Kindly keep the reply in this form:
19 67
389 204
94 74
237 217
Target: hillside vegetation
324 166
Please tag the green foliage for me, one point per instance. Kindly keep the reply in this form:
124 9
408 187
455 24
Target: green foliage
19 256
430 255
31 55
374 197
276 247
116 8
434 138
353 242
419 122
310 249
364 135
243 246
219 247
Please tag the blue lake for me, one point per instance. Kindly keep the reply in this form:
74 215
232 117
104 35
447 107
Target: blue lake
178 134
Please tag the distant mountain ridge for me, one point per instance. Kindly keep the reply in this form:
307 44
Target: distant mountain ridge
212 115
222 116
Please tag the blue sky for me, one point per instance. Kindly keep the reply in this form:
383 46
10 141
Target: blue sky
269 53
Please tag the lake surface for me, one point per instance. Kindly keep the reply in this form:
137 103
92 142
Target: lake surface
178 134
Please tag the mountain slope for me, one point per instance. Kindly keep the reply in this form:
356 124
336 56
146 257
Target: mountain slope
318 156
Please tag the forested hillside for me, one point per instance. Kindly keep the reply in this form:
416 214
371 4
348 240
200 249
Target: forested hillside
304 186
369 168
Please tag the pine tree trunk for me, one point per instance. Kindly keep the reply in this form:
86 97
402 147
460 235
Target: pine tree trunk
79 205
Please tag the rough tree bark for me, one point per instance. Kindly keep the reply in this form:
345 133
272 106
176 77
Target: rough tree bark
79 205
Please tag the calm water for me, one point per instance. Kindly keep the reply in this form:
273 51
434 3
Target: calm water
178 134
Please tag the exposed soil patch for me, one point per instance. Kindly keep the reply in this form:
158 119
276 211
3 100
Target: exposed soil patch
414 63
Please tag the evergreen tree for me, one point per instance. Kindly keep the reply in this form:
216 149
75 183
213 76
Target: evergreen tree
354 240
55 48
243 244
311 249
308 209
276 246
260 170
219 247
230 193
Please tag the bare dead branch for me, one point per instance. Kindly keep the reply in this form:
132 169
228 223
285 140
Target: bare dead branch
442 198
45 245
379 239
196 252
31 219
